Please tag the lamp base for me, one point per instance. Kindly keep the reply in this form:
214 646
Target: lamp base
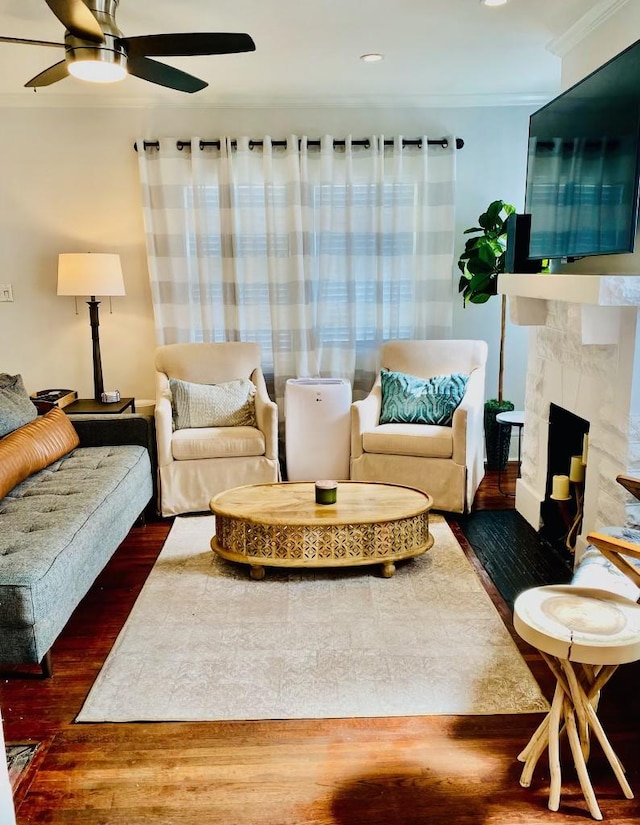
94 320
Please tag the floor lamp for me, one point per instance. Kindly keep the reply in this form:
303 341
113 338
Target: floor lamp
91 273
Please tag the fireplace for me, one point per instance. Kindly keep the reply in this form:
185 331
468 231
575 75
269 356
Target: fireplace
584 357
566 457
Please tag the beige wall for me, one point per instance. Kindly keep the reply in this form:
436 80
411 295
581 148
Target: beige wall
609 39
70 184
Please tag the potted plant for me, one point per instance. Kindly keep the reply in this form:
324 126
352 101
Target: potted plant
481 262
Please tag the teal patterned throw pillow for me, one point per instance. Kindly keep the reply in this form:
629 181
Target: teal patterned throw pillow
407 399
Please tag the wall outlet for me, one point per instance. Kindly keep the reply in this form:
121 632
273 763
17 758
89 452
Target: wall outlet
6 292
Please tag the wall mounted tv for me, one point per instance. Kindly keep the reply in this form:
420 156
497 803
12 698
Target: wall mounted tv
584 163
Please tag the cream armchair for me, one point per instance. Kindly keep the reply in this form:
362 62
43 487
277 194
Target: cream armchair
447 462
195 464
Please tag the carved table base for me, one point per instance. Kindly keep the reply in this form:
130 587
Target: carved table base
280 525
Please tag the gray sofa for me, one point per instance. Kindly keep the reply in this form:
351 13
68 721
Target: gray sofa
60 526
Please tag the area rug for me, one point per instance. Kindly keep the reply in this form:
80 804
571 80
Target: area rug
19 758
205 642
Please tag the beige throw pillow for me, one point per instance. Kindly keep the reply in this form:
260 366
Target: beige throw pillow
231 404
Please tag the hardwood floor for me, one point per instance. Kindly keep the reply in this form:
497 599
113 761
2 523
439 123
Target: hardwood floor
408 770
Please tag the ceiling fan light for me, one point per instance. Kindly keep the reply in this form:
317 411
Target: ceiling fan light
494 2
97 71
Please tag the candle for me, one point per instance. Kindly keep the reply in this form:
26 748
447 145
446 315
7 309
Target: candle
585 447
560 487
576 471
326 492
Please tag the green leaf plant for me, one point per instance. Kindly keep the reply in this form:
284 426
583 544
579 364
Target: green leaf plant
482 261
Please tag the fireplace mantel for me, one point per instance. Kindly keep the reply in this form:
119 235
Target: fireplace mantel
584 356
597 290
600 298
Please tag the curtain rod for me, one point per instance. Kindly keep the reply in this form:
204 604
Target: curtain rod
186 144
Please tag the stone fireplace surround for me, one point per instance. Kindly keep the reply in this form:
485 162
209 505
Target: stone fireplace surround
584 356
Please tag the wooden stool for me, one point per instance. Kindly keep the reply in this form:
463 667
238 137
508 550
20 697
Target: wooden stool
583 635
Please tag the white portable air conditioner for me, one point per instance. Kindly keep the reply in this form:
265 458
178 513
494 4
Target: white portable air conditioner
317 428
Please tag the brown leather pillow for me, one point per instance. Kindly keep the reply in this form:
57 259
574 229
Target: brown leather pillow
34 446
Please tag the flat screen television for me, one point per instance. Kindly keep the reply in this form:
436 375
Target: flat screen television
583 164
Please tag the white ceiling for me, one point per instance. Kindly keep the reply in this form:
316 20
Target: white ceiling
436 51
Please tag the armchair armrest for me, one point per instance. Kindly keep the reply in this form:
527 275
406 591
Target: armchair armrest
468 419
164 421
266 415
615 550
630 484
365 415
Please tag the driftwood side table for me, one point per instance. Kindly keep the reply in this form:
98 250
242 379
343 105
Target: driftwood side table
583 635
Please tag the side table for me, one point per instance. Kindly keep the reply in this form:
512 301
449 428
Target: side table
583 634
89 406
513 418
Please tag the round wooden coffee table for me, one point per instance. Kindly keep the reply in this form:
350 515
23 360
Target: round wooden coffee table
280 525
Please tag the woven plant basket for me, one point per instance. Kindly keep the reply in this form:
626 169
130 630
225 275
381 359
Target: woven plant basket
497 438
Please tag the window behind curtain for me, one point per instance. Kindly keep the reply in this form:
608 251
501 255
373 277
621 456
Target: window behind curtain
317 255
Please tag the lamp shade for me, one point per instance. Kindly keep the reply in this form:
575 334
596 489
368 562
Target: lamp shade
89 273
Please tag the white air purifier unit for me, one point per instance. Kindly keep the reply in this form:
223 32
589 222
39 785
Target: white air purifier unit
317 414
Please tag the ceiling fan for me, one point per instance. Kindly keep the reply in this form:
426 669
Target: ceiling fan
96 50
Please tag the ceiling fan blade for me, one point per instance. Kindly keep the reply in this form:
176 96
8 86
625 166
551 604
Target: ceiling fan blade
31 42
51 75
77 19
184 45
164 75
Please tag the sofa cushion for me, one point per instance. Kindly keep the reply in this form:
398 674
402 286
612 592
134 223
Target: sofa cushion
16 408
34 446
217 442
230 404
408 399
428 441
59 527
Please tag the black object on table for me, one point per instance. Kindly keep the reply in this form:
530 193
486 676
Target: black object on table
513 418
89 406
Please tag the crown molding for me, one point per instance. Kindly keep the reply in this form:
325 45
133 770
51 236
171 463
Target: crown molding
588 23
444 101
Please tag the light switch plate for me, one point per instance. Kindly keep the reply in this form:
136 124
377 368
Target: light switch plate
6 292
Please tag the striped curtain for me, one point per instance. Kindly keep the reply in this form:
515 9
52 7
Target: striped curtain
317 253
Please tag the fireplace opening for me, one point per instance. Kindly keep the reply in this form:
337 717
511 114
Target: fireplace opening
561 509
